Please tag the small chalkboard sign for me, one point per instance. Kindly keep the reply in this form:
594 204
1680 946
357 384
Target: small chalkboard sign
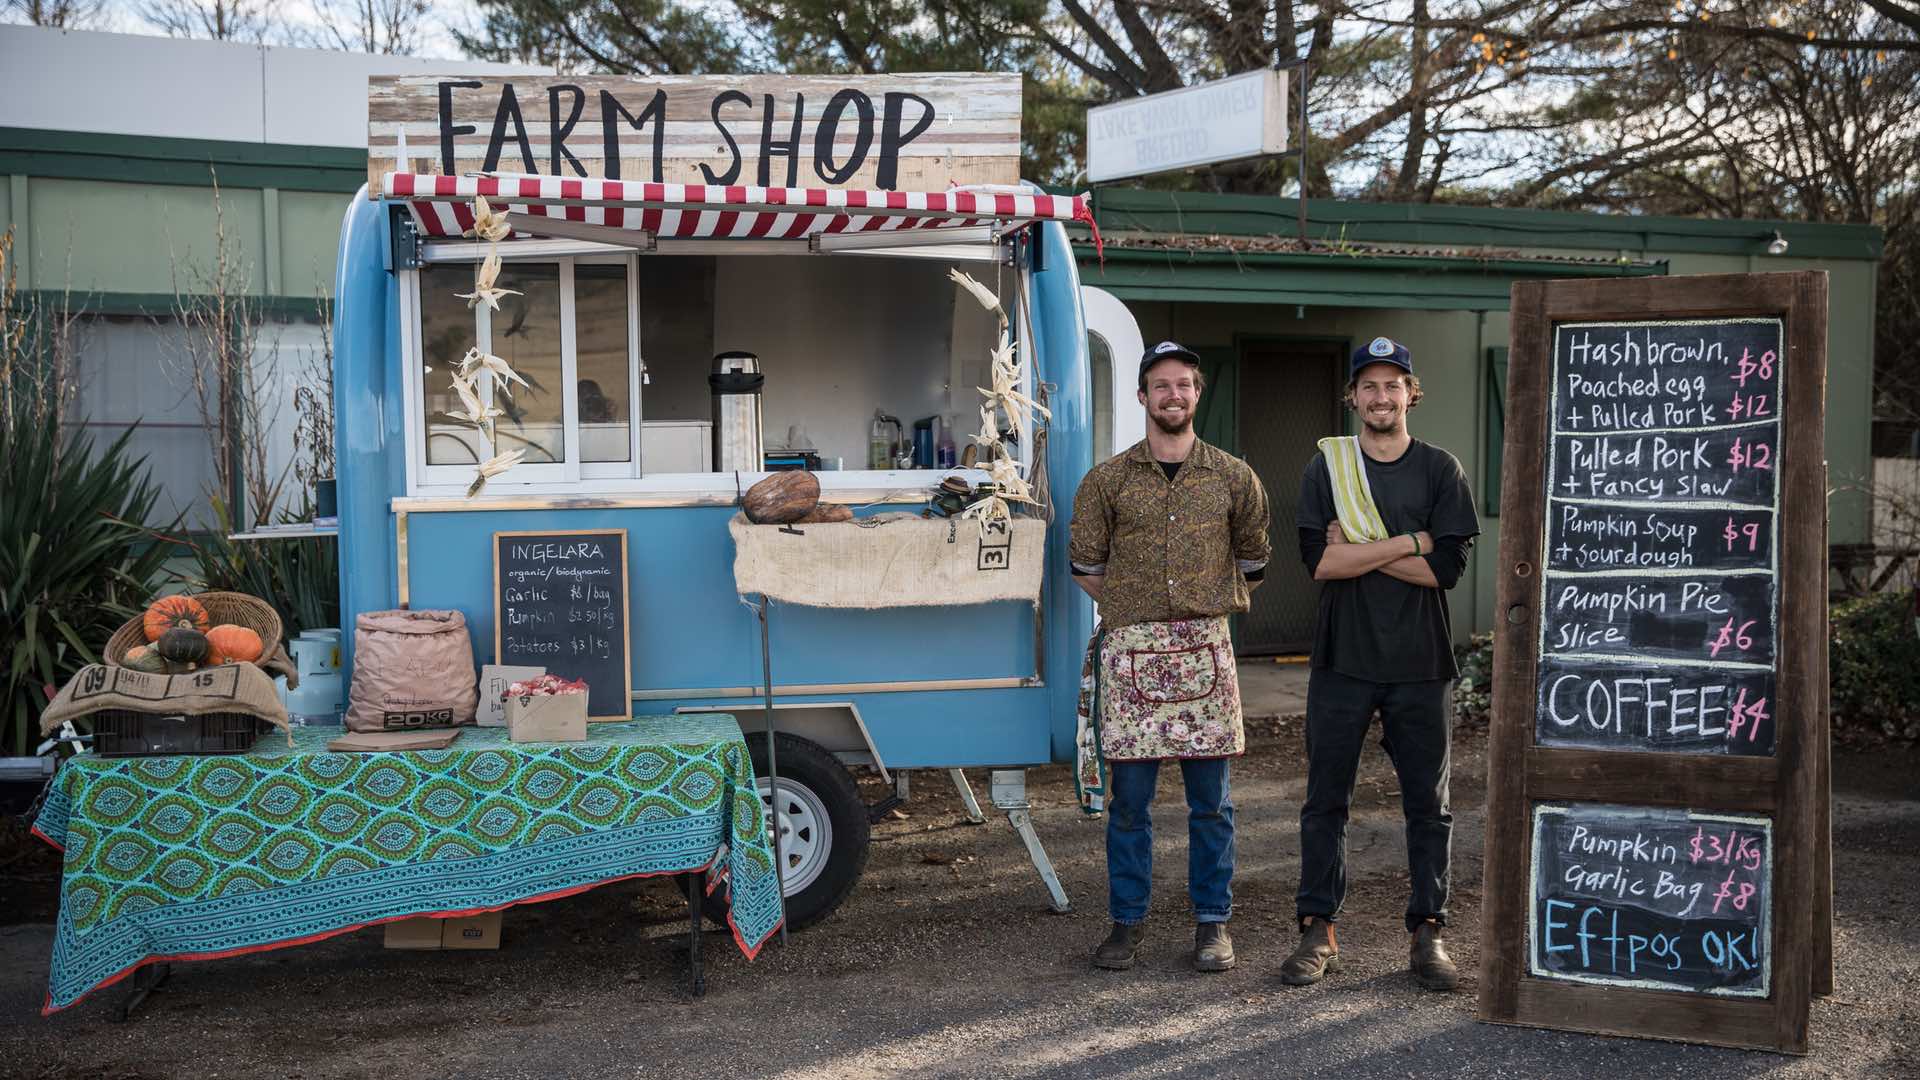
560 602
1658 708
1654 898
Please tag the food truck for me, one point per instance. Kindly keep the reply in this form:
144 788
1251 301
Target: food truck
706 280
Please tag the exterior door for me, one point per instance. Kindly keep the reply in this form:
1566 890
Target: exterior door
1289 400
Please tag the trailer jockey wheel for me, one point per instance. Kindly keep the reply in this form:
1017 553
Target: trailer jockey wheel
824 829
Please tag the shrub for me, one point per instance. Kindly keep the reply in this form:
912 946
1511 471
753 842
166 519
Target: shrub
1875 665
1473 693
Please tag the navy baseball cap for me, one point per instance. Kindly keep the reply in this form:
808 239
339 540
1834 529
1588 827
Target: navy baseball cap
1167 350
1381 350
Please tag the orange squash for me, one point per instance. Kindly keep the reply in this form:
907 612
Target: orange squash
231 642
170 611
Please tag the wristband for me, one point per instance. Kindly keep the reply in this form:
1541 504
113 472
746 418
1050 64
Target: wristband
1416 542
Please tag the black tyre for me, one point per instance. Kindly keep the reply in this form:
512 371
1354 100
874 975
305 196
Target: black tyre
825 830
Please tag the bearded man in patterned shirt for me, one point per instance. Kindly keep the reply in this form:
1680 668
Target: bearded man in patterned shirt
1168 537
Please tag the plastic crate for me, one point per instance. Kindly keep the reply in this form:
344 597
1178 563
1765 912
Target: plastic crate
126 733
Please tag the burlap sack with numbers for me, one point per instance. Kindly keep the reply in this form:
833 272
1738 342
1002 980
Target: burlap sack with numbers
411 669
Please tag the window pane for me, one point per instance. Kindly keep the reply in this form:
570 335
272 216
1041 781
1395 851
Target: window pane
1100 363
446 333
600 324
526 334
676 336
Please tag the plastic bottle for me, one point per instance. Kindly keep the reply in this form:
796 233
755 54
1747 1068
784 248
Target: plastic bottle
880 443
946 457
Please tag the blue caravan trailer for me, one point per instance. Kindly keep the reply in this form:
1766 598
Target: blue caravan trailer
623 296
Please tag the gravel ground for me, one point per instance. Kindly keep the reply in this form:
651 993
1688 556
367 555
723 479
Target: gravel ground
946 962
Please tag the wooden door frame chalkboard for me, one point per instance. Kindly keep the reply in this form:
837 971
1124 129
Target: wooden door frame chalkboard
1783 786
619 536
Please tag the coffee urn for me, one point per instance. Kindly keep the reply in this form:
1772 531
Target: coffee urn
737 442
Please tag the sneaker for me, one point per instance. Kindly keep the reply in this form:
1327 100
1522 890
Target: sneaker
1212 947
1427 956
1122 945
1317 954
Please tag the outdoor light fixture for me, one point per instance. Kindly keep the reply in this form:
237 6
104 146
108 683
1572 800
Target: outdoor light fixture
1777 245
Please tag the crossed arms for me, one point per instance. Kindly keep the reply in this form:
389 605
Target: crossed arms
1393 556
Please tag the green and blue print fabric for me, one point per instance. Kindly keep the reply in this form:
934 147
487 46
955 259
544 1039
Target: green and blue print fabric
202 857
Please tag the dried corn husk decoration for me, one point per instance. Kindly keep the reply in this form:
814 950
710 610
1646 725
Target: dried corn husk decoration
1004 397
491 468
491 226
484 291
476 361
488 224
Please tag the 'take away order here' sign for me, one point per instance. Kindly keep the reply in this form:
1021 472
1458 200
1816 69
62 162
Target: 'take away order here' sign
894 132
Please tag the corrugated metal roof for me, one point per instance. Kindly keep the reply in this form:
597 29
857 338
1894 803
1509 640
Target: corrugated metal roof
1273 244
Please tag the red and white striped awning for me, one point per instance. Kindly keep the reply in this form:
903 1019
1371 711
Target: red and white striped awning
442 206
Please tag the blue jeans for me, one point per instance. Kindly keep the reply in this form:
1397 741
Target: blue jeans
1130 839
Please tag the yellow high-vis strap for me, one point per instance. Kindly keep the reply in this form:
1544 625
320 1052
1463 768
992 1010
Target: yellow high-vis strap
1352 497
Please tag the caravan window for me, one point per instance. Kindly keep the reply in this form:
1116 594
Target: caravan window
616 350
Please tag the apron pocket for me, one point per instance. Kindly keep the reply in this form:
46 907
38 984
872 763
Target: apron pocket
1176 675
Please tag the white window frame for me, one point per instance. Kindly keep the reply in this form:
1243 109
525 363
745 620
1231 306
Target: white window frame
575 477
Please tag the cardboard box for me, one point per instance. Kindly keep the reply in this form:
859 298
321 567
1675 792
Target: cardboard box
494 680
470 932
547 718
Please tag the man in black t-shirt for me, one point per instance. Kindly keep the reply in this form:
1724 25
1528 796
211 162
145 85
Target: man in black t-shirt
1382 644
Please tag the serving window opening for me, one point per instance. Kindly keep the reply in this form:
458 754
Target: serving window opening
870 367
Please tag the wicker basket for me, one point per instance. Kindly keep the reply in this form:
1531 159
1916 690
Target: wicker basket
222 608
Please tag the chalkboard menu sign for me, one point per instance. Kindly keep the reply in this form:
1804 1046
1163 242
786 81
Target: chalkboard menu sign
1662 899
1654 758
560 602
1661 518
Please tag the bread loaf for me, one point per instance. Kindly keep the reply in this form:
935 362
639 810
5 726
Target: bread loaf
783 498
826 513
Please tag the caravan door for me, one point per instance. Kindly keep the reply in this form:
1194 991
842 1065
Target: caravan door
1114 348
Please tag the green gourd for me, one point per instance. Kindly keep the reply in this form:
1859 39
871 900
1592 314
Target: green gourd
182 645
145 658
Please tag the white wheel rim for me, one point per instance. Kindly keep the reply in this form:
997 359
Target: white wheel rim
806 833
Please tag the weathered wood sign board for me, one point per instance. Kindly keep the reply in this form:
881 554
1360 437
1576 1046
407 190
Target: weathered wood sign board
560 602
1654 766
896 132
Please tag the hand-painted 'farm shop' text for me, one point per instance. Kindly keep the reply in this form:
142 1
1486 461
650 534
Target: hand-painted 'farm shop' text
1662 899
1658 589
917 132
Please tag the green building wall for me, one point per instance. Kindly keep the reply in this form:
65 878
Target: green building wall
1454 318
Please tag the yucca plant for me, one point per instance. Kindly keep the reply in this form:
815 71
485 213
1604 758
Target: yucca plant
74 564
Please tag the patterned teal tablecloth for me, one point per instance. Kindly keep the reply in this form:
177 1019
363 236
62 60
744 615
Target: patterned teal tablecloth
192 858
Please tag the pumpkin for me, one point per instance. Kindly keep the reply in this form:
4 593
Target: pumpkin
182 645
232 642
783 498
144 658
171 611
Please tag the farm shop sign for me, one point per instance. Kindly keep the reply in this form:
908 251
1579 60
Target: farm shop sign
905 132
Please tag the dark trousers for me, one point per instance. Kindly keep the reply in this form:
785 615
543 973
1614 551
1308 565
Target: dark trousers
1415 732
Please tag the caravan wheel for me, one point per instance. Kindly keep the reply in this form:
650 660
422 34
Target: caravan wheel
823 829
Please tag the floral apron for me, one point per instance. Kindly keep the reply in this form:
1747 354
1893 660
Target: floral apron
1156 691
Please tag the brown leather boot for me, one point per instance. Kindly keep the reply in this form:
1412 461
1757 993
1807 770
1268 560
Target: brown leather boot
1318 954
1212 947
1122 944
1428 958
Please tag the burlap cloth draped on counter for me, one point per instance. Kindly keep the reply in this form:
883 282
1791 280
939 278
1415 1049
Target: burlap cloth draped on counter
236 688
890 561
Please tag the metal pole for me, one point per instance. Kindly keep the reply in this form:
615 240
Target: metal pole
773 764
1303 155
